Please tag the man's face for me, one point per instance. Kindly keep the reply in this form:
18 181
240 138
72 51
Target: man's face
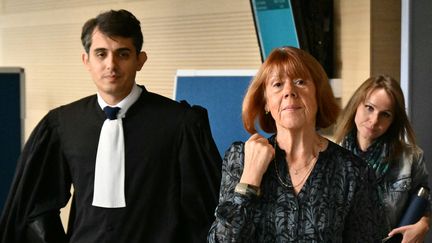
113 63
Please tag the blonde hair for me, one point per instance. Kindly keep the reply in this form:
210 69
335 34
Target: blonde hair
399 130
294 63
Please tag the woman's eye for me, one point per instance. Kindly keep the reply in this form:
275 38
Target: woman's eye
369 108
299 82
387 115
276 83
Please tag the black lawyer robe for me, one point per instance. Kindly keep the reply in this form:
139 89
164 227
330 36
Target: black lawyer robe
171 182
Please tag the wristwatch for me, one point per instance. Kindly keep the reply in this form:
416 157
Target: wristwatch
247 189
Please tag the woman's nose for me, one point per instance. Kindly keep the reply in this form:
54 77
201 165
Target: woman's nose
373 119
289 90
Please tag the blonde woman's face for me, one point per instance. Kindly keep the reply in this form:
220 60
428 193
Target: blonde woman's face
291 102
373 117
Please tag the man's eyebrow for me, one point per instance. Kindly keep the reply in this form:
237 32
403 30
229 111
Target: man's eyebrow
99 49
122 49
117 50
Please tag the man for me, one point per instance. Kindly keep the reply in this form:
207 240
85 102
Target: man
146 171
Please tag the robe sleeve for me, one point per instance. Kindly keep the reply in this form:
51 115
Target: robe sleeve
200 174
41 186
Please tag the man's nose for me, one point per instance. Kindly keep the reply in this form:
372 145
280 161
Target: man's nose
111 62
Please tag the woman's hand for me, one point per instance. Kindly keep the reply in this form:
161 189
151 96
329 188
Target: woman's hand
413 233
258 155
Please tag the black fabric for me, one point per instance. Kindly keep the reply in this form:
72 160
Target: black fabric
171 183
46 228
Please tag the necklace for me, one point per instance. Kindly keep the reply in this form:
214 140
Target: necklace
304 177
282 182
296 171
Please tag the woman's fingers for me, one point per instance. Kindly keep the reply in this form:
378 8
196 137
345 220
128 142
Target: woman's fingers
258 155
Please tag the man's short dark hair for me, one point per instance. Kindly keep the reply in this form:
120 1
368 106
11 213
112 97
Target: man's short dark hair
113 23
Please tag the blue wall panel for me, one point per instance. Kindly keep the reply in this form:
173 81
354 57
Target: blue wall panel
222 95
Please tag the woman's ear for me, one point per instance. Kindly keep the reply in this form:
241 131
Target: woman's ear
266 109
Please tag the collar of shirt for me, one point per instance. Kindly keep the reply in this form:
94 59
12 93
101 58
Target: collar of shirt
125 103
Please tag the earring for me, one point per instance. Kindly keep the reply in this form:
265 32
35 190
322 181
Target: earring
267 112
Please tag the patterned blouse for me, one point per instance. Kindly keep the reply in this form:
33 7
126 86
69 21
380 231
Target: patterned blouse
338 202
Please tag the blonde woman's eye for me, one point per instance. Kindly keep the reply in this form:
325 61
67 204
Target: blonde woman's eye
369 108
387 115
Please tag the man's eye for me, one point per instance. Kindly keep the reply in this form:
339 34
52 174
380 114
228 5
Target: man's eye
124 54
100 54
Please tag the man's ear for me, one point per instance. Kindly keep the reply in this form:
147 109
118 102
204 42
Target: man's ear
142 58
84 58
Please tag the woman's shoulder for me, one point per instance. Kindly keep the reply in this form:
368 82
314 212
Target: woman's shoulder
412 150
346 164
344 157
339 152
408 156
236 148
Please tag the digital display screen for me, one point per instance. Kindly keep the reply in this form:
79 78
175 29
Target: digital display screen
275 25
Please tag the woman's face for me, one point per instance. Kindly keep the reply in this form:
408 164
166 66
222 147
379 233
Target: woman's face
373 117
291 102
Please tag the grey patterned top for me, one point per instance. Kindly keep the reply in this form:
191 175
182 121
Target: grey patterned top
338 202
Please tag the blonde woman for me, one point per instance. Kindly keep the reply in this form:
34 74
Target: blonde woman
375 126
